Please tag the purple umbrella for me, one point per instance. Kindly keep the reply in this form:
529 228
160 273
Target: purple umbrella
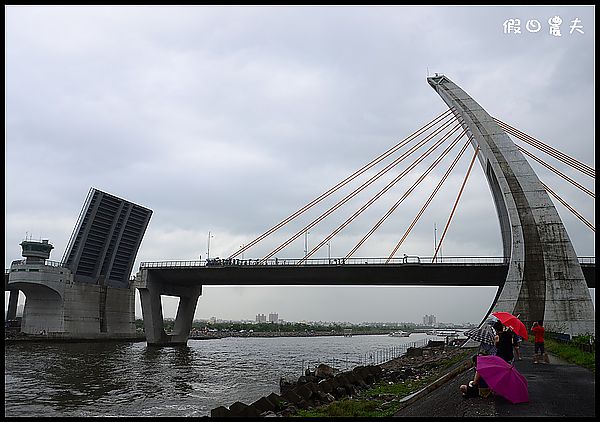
503 378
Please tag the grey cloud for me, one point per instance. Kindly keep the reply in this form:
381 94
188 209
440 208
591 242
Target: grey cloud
229 119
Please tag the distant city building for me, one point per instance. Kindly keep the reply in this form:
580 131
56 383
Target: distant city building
261 318
273 318
212 320
429 320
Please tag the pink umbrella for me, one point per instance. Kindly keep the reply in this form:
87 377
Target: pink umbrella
503 378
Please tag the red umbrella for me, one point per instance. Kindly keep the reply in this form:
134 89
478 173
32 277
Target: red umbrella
513 323
503 378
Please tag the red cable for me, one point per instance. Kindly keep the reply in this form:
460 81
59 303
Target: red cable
435 191
357 191
381 192
456 202
366 167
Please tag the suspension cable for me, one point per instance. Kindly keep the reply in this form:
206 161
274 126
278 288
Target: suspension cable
357 173
564 176
435 191
576 164
406 194
559 155
359 189
570 208
381 192
456 203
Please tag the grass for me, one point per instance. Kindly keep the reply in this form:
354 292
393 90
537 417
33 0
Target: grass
383 399
571 354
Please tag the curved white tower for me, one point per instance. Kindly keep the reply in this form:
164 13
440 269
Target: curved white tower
544 280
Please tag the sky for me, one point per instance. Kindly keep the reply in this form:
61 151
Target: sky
228 119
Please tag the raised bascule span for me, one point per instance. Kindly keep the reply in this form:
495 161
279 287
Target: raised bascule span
89 294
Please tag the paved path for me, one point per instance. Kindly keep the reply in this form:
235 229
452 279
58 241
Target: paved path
555 389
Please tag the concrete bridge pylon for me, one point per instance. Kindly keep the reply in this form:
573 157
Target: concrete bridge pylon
151 287
544 280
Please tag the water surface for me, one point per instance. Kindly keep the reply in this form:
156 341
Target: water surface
131 379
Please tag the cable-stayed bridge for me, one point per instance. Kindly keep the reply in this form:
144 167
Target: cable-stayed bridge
539 275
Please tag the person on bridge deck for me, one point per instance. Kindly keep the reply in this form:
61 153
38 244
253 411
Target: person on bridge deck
504 342
538 331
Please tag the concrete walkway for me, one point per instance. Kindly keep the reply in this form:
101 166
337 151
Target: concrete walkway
555 389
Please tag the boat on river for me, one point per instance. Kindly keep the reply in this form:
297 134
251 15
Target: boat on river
442 333
399 334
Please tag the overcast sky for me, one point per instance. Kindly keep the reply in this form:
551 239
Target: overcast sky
229 119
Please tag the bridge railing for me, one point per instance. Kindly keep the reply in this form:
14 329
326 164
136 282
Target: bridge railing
47 262
408 259
159 264
372 357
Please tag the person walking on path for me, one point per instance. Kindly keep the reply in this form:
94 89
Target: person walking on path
538 330
504 342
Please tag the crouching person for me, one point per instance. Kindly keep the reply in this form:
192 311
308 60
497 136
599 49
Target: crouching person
477 387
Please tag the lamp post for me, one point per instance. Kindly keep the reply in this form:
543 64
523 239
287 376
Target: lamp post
306 233
208 247
329 251
434 238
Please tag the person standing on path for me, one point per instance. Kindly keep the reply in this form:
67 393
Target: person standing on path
538 330
517 343
504 342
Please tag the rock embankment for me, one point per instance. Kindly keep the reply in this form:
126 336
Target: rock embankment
309 391
326 384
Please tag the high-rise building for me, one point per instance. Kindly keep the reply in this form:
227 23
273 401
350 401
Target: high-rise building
261 318
429 320
273 318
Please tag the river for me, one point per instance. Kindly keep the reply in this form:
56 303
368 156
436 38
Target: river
131 379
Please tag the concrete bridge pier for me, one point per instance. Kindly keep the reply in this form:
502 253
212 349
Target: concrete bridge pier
151 287
13 299
12 305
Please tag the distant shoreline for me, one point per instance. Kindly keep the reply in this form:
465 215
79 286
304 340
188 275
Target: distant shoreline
208 336
42 339
282 334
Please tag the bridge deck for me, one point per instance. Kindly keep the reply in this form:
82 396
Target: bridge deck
356 274
425 274
418 274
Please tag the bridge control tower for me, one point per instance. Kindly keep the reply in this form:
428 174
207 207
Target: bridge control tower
36 252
